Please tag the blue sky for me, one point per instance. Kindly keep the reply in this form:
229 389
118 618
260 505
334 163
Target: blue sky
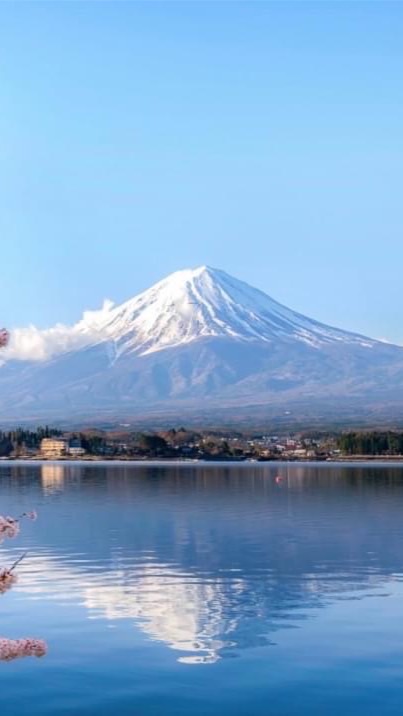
262 138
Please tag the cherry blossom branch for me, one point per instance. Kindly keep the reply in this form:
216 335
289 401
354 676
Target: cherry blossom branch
7 580
10 527
16 648
17 561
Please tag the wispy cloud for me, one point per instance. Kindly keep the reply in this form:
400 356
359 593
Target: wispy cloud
33 343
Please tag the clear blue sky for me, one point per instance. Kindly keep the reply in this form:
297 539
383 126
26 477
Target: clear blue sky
262 138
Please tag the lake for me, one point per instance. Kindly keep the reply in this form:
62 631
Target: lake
244 589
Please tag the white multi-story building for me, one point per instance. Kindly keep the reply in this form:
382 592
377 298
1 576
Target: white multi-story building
54 447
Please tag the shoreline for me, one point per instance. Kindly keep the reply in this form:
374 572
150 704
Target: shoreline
357 459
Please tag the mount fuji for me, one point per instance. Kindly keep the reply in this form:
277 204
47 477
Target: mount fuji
199 343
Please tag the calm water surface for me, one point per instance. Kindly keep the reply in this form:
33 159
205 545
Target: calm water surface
206 590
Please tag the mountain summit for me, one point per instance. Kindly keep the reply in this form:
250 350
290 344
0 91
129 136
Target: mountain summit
199 341
205 302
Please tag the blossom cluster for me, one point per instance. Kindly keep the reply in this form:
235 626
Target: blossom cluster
10 526
7 579
17 648
31 515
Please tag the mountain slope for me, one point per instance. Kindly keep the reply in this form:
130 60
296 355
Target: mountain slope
201 340
205 302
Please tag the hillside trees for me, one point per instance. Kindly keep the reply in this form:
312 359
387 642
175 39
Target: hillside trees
371 443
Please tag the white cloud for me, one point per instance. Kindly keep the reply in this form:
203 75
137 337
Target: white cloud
33 343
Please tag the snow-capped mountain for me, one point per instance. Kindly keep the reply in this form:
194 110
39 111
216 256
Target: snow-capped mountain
193 304
196 339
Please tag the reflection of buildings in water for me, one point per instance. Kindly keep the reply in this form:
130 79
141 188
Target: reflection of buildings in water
52 478
55 477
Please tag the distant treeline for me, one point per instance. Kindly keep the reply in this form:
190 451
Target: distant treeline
371 443
14 439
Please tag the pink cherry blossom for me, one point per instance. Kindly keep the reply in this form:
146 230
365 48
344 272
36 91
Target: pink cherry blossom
7 579
9 527
17 648
32 515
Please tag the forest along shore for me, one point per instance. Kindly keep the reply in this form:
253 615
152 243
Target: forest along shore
181 444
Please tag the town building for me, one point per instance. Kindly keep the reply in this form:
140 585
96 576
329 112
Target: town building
54 447
75 448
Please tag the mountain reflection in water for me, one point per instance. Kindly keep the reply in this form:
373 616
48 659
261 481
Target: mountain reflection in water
209 560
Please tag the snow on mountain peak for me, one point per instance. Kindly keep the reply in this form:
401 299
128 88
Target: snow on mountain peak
183 307
205 302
